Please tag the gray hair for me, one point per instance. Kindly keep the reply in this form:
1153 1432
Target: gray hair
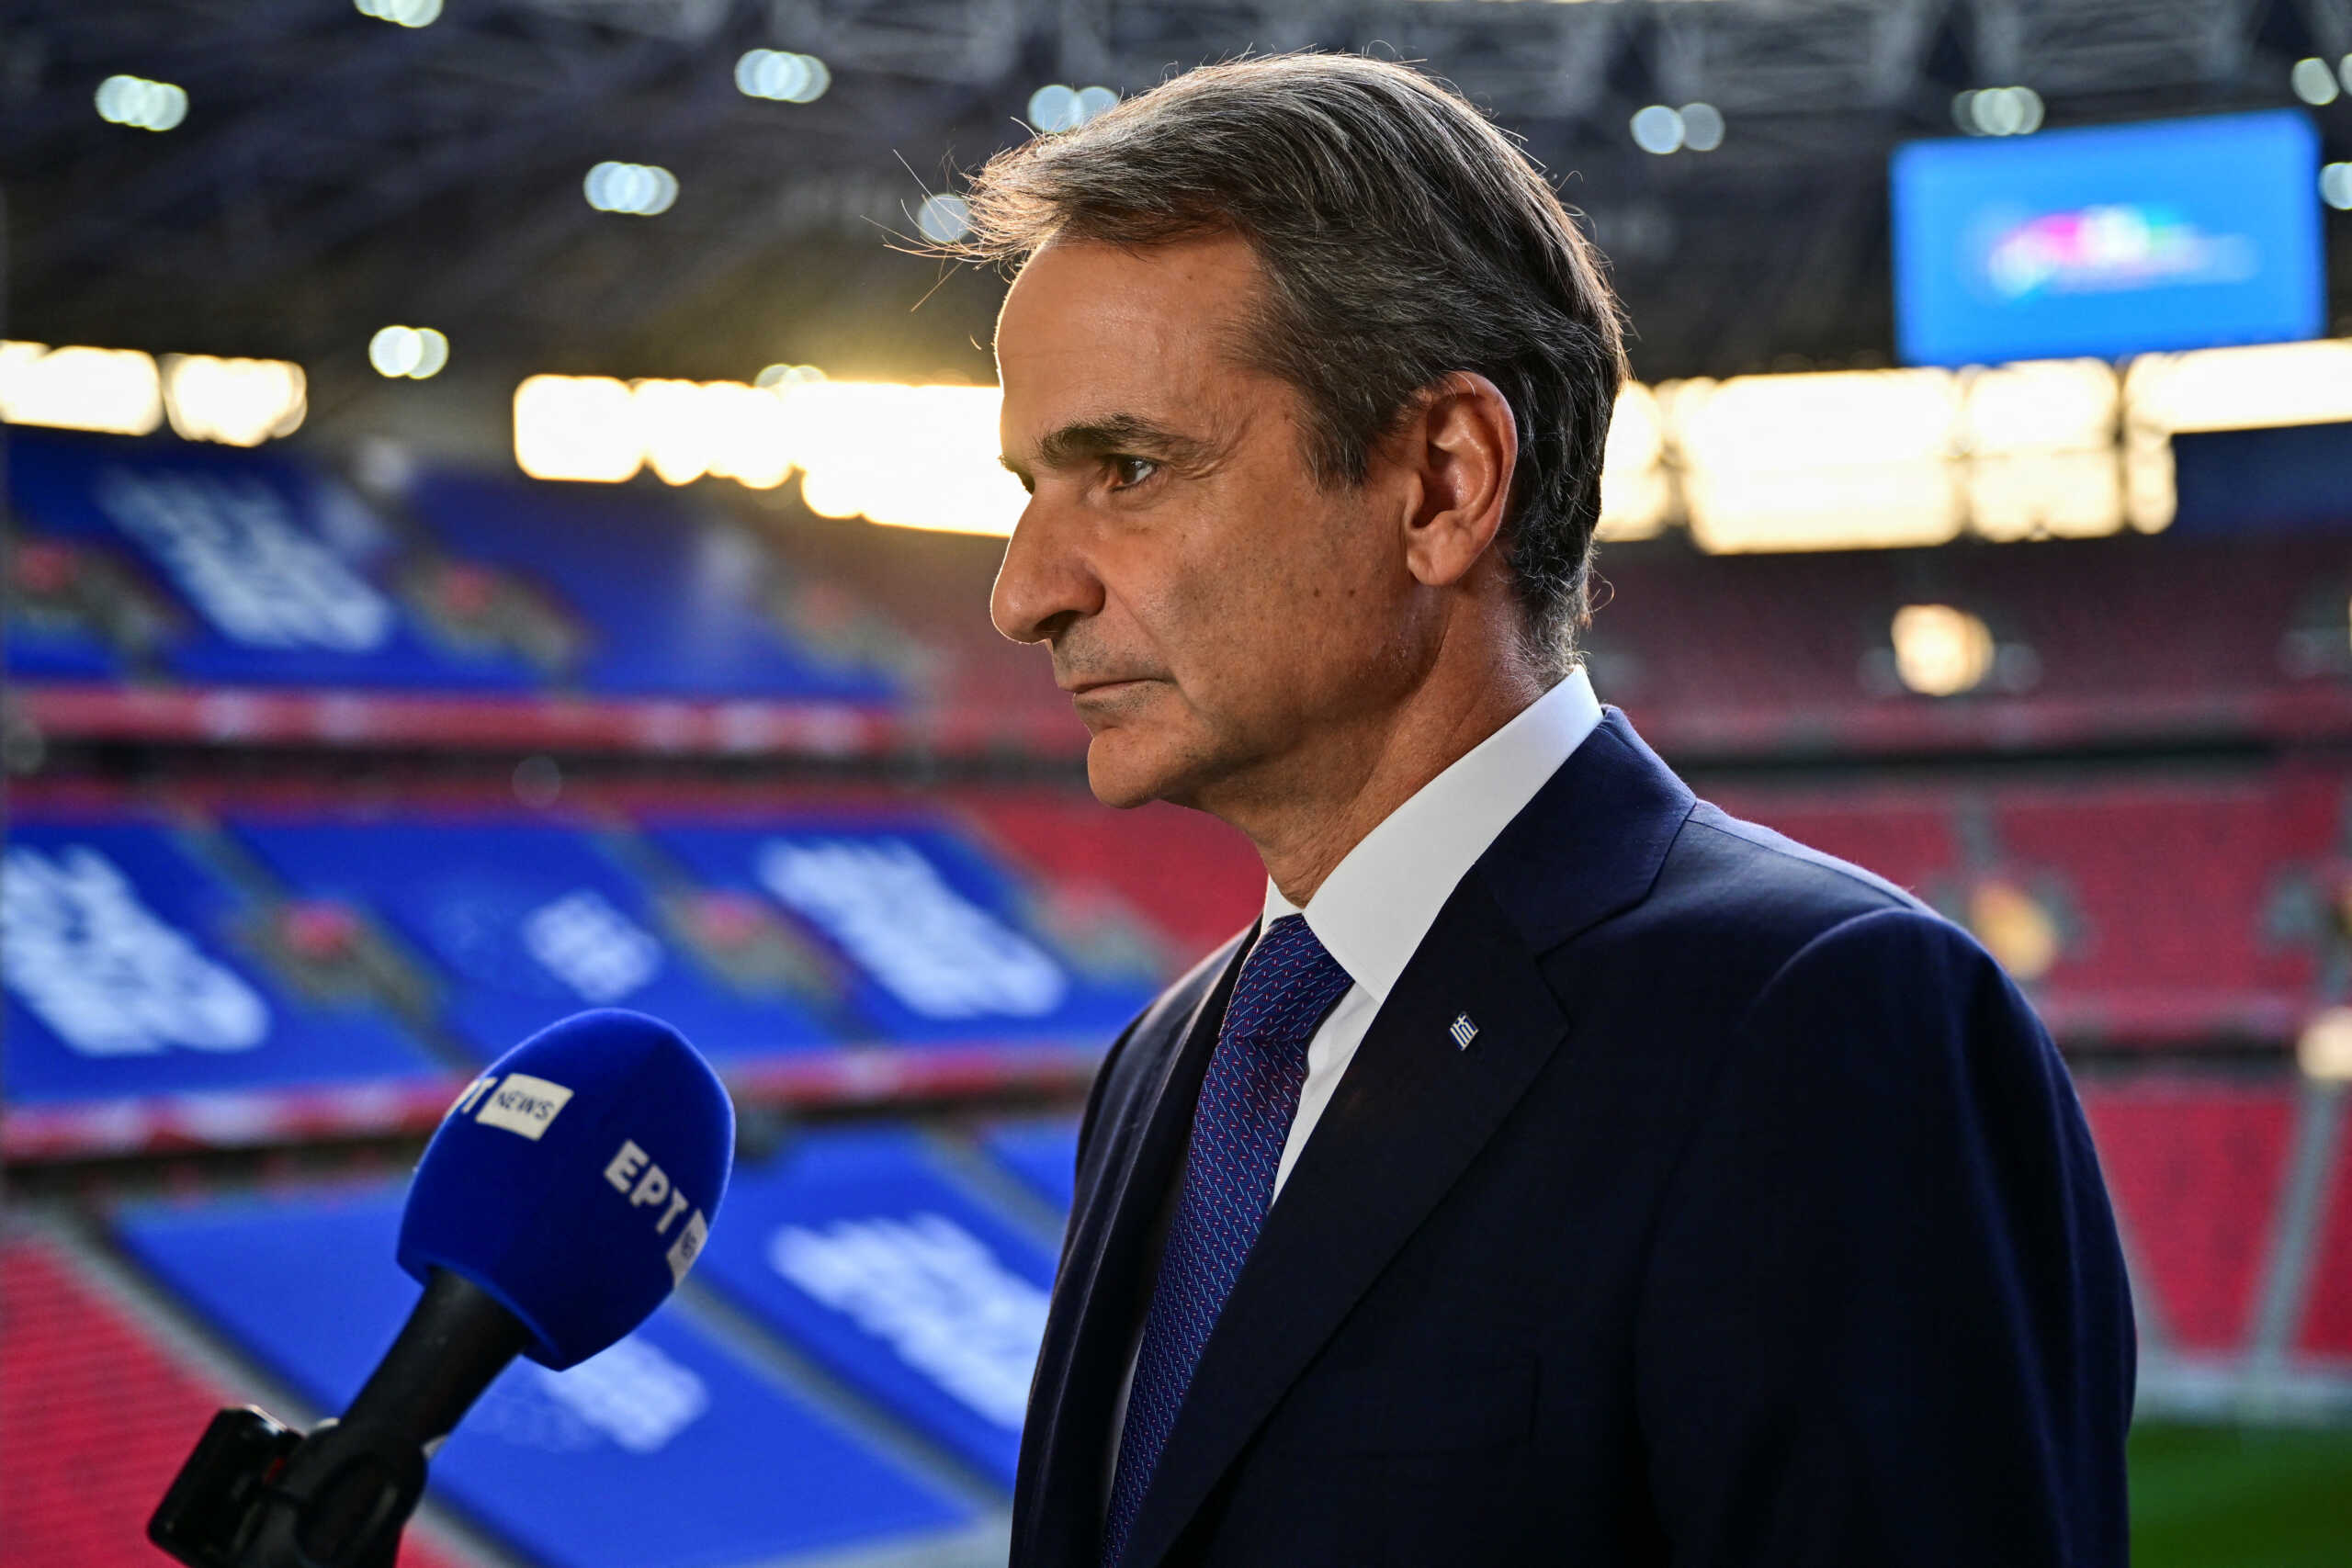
1403 238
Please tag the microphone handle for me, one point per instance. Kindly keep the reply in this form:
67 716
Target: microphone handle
454 1343
351 1483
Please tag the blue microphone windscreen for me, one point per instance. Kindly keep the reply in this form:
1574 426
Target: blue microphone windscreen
576 1178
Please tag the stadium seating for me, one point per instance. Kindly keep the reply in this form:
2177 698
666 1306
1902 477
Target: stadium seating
1042 1153
133 969
668 1448
527 920
865 1249
238 569
2194 1169
2326 1325
116 1416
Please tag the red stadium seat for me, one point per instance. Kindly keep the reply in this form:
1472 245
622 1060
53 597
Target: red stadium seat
99 1420
2195 1169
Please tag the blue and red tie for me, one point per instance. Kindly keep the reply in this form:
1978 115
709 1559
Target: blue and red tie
1248 1098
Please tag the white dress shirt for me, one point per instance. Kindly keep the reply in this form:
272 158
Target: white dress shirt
1378 903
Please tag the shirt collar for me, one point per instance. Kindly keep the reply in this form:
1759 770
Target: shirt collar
1378 903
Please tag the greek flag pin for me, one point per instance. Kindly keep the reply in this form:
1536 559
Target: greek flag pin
1463 1030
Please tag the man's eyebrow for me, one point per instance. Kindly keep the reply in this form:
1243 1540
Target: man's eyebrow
1084 440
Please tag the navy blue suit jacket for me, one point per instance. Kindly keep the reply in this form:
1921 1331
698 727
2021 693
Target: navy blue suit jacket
1757 1225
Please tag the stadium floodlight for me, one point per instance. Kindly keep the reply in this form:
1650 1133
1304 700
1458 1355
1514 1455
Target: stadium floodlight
115 390
642 189
1940 651
943 218
782 77
401 13
2335 185
1998 111
2325 1049
1703 127
2313 82
415 353
1658 129
239 402
2256 388
146 106
577 428
1636 492
1058 106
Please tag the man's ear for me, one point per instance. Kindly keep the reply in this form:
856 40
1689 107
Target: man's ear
1461 445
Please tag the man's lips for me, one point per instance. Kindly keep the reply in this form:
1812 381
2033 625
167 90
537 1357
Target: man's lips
1105 687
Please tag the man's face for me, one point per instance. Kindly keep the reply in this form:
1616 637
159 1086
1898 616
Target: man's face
1214 613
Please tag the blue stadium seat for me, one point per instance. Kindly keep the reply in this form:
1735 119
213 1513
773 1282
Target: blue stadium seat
528 921
672 606
863 1249
666 1451
284 574
127 976
1043 1154
935 935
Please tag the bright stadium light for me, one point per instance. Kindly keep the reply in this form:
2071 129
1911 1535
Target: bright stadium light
1998 111
1852 459
2313 82
1940 651
144 105
781 76
943 218
2335 185
577 428
416 353
909 457
2014 928
240 403
401 13
1635 493
643 189
2041 405
2241 388
1658 129
1056 107
1703 127
116 391
2324 1051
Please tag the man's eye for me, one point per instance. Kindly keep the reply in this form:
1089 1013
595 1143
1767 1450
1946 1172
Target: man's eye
1132 471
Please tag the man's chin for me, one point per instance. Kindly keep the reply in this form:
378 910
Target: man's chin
1120 771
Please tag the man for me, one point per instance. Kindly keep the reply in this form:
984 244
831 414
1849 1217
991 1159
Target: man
1560 1171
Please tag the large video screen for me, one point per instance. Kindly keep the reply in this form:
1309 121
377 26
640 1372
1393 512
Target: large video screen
2110 241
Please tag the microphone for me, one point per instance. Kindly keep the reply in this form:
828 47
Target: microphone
561 1200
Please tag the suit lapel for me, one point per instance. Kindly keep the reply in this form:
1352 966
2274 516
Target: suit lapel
1416 1107
1096 1304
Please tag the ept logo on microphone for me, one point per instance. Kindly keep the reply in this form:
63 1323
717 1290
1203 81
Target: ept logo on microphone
633 1172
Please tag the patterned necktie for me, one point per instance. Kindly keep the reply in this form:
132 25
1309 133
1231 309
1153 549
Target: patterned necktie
1248 1100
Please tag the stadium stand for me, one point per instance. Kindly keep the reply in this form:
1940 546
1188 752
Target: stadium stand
134 970
2194 1167
115 1411
866 1250
1043 1153
2326 1325
669 1447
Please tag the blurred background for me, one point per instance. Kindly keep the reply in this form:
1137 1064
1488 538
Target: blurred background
499 523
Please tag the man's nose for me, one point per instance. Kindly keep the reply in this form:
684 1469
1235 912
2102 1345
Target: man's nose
1046 582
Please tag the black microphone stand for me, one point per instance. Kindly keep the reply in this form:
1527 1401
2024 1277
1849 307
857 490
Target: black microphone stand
257 1495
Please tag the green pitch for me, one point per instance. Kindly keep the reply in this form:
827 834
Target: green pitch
2241 1497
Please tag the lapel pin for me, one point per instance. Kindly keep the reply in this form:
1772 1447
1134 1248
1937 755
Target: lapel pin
1463 1030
